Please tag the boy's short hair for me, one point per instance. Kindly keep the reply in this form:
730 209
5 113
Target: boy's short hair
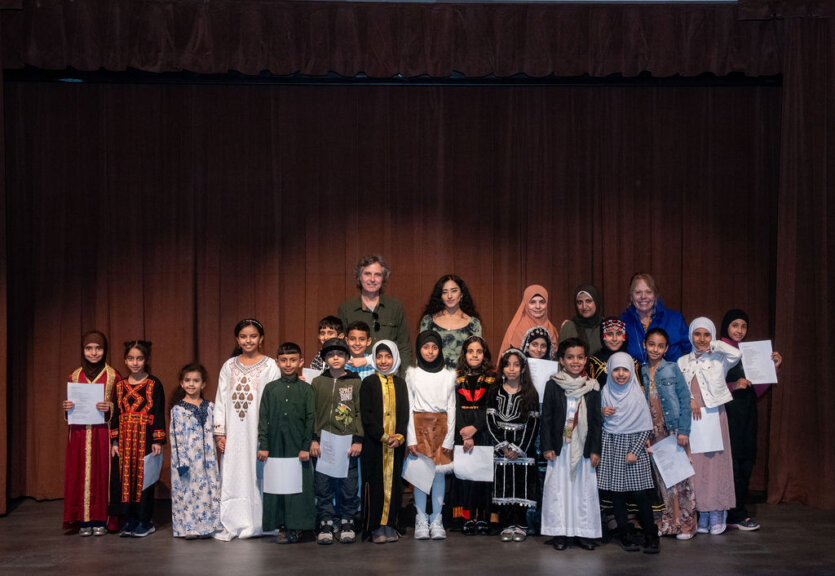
332 322
358 325
289 348
572 343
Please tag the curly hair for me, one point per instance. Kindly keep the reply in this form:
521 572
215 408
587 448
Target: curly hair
436 303
486 362
368 261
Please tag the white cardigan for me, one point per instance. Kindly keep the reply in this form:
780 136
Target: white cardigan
431 392
710 370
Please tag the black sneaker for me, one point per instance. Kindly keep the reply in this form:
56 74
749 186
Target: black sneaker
325 536
627 541
127 530
469 528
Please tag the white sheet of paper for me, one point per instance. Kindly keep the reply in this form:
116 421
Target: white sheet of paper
85 397
477 465
541 372
757 362
334 459
672 461
419 472
309 374
706 434
153 466
283 476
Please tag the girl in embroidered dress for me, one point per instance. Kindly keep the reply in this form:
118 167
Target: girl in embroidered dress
475 377
669 404
384 398
571 435
431 427
625 467
513 422
137 430
705 369
195 487
240 384
88 445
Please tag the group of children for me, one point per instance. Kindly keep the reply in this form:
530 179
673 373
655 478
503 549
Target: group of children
598 416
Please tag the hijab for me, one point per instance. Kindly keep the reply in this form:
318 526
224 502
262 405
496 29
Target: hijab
632 412
594 320
521 322
92 370
533 334
730 316
391 348
702 322
423 338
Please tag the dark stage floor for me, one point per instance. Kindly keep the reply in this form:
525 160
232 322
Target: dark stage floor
794 540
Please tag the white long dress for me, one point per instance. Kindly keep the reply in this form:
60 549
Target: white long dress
570 507
238 398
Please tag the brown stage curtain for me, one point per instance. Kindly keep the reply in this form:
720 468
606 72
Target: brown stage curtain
3 313
170 212
802 460
386 39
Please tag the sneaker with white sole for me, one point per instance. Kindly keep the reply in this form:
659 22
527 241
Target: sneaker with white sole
422 526
747 525
325 535
704 523
684 536
143 530
347 534
436 528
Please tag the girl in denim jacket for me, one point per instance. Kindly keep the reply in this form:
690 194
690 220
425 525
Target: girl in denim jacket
669 404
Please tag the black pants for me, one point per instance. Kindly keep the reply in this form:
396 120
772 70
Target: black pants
742 429
643 499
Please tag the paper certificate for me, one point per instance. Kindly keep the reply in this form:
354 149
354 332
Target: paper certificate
419 472
672 461
706 434
152 467
85 397
283 476
476 465
757 362
308 374
541 372
334 459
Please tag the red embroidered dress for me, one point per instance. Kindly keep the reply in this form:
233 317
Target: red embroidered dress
87 460
138 421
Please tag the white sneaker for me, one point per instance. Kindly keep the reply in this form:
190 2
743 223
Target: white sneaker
436 528
421 526
684 536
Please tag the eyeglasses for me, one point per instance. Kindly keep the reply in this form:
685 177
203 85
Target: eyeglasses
376 318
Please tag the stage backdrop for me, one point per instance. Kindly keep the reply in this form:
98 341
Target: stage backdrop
171 212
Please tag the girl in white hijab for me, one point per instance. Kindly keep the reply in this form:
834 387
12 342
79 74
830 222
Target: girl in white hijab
625 468
384 402
704 370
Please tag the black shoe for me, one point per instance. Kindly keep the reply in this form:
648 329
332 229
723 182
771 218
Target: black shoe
585 543
287 536
560 543
483 528
469 528
651 543
627 542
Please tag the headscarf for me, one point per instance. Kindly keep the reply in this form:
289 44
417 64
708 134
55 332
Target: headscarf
701 322
521 322
730 316
92 370
594 320
632 412
576 387
436 365
386 346
607 324
533 334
